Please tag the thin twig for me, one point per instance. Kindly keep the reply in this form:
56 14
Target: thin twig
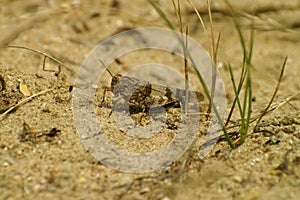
214 49
211 32
60 63
284 102
25 101
177 9
199 17
267 8
186 71
274 94
271 109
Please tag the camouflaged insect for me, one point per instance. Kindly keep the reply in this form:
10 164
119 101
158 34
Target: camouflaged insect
140 98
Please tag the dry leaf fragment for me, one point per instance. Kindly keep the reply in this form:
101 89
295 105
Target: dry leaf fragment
24 90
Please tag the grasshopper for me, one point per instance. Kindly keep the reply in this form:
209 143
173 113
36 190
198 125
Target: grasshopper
140 98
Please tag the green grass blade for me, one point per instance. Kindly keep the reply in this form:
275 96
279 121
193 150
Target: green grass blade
245 79
206 91
236 92
162 14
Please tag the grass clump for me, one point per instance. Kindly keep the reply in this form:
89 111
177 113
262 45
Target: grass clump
242 100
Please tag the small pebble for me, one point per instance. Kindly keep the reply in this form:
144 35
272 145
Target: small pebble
6 164
296 120
289 129
82 180
24 90
145 190
19 152
45 108
238 179
37 187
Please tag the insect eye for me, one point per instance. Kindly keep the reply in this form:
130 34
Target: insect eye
115 80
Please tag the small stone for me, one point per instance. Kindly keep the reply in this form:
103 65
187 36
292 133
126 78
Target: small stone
45 108
6 164
275 172
296 120
289 129
19 152
37 187
17 178
145 190
24 90
82 180
238 179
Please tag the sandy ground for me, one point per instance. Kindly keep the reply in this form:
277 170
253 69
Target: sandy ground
41 155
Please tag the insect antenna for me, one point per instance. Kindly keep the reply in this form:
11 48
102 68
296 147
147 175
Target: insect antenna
109 72
106 68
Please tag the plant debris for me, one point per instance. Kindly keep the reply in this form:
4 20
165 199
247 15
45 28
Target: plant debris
29 134
2 83
24 90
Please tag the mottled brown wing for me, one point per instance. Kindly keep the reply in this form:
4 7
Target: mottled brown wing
142 95
137 96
